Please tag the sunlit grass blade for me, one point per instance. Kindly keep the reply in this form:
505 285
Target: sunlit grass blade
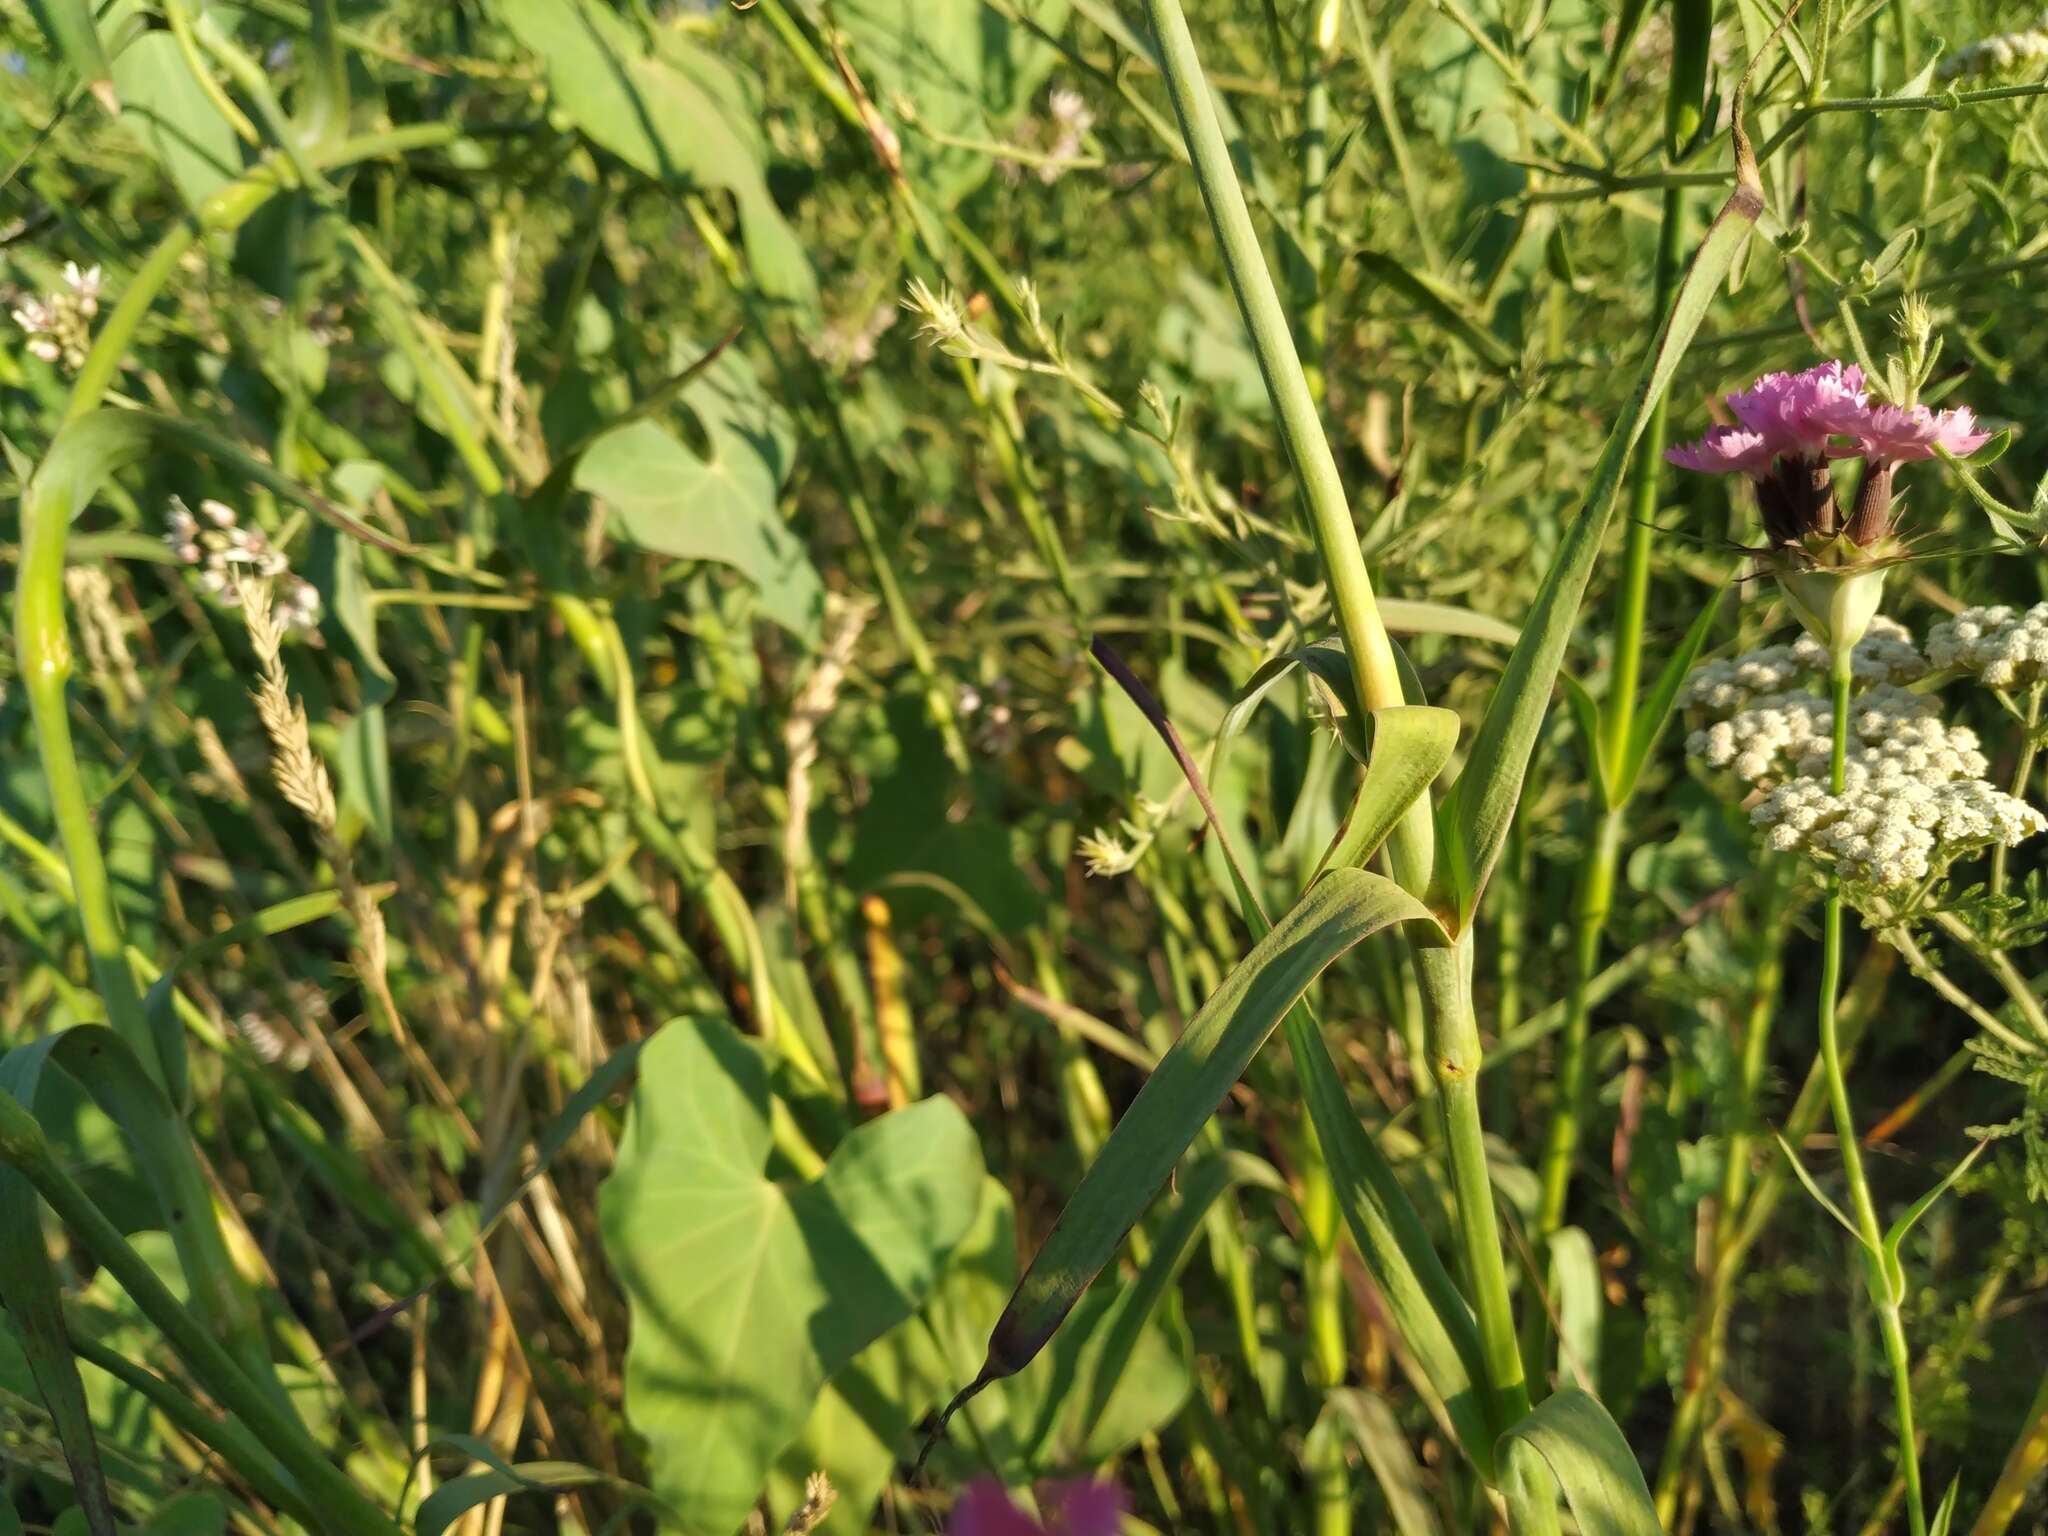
1584 1450
1474 817
1343 908
1655 711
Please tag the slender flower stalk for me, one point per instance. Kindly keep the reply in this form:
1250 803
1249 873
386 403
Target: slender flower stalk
1869 1231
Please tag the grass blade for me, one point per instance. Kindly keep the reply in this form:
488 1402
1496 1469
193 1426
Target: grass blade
1655 713
1391 1457
1475 816
1443 303
1585 1452
1343 908
28 1287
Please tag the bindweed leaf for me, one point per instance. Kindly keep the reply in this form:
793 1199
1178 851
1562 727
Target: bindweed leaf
75 38
168 113
748 1293
1580 1444
720 504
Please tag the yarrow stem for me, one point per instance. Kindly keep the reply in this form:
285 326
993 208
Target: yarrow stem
1871 1235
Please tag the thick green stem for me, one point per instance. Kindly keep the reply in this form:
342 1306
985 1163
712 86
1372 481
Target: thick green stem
1868 1229
1351 594
1446 975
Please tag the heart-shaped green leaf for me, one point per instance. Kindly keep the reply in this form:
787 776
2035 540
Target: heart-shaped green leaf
718 504
748 1293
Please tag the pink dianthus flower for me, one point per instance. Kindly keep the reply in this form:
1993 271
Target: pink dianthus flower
1074 1509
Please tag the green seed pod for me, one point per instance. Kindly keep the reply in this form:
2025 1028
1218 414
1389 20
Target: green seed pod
1692 33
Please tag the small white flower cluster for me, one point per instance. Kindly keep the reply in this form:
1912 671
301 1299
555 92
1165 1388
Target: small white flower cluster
1885 654
1071 121
224 549
1777 734
1895 747
1067 120
1914 798
1997 55
1892 829
848 343
60 327
2005 648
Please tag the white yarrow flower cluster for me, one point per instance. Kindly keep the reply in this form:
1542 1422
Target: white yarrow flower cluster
1775 735
2007 649
60 327
1914 798
1893 831
1998 55
224 549
1885 654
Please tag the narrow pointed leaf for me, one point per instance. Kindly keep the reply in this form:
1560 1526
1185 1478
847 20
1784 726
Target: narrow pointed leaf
1813 1189
1655 712
28 1288
1585 1452
1476 814
1586 716
1428 1312
1342 908
1411 743
1444 304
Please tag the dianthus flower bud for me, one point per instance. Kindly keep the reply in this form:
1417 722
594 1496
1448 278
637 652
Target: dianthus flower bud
1834 598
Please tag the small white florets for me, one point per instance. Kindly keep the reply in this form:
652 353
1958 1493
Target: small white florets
2005 648
1895 833
1914 798
2003 54
226 549
1885 654
1778 733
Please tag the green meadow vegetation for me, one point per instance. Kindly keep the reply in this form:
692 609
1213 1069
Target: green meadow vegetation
1023 766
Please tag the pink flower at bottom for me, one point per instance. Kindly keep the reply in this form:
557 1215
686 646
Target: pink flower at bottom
1072 1509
